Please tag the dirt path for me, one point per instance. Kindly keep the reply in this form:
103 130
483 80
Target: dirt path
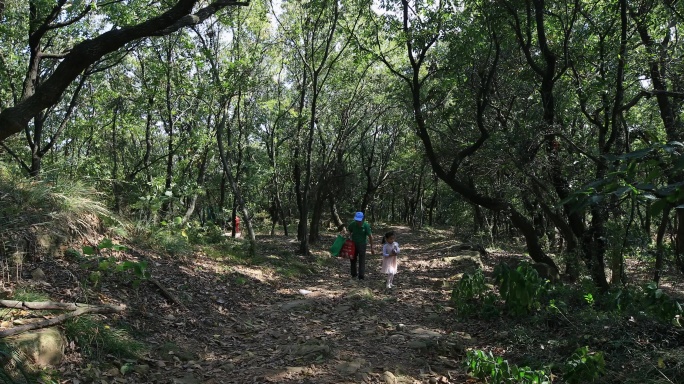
283 318
250 324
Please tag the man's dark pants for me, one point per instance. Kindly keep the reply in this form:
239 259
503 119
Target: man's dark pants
360 255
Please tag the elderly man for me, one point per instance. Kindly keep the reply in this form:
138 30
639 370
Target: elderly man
360 231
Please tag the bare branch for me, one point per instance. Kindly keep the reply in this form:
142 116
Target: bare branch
199 16
60 319
44 55
16 157
76 18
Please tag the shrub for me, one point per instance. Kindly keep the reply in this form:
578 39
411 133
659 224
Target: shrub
521 288
204 235
662 305
469 292
584 367
484 365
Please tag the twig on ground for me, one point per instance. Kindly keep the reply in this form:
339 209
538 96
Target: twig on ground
168 294
61 318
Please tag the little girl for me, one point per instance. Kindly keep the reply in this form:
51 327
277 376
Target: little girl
390 250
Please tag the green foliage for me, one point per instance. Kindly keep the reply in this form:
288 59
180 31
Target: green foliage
105 246
642 174
73 254
521 288
97 340
172 238
28 294
584 367
494 369
110 264
471 294
204 235
662 305
618 299
171 243
647 299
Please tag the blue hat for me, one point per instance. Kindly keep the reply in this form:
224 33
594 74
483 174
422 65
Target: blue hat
358 216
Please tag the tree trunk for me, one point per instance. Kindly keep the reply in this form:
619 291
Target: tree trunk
393 211
227 171
658 64
222 201
532 240
433 204
646 221
595 248
200 182
168 179
317 215
617 265
233 219
679 255
660 247
416 56
34 145
297 169
169 128
335 216
304 213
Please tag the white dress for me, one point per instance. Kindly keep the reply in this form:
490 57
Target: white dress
389 261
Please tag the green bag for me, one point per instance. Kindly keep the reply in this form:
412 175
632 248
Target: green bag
337 246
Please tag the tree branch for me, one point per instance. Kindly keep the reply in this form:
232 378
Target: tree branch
65 118
43 55
199 16
69 22
23 164
61 318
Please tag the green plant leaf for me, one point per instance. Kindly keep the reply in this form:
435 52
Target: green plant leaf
106 243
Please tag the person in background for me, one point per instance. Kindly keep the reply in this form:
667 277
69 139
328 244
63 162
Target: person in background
359 231
390 250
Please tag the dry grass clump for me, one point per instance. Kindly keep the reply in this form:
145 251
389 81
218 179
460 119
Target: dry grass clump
37 216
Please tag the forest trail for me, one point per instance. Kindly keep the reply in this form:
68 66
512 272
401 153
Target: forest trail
249 324
283 318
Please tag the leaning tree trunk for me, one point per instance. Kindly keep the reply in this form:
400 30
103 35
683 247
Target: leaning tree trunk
339 224
416 55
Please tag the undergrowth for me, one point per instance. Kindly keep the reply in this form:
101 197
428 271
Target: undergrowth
26 203
96 340
576 332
